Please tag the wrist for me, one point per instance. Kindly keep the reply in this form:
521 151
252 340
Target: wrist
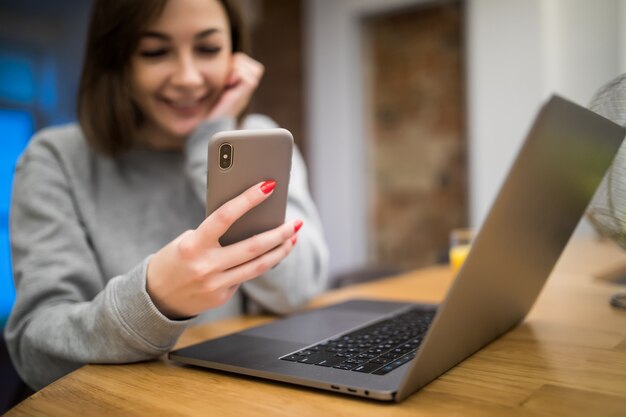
159 301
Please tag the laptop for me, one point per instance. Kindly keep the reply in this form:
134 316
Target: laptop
387 350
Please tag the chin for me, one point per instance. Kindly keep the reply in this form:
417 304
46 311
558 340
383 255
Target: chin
184 129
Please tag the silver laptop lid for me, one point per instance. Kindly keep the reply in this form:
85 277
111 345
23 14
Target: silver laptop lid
551 182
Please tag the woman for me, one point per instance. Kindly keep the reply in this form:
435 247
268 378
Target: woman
91 203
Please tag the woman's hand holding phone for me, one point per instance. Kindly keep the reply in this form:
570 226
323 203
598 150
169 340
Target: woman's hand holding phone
194 273
244 78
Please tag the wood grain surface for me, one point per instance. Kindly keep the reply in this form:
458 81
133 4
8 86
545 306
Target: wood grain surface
568 358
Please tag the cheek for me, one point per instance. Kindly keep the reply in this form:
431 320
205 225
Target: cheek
145 80
217 73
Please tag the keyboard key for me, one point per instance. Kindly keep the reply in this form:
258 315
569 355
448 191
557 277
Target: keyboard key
384 370
330 362
390 355
293 358
393 365
317 357
345 367
367 367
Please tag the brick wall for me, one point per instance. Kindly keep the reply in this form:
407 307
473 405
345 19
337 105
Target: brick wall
416 124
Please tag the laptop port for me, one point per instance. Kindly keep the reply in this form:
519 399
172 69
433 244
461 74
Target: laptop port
351 390
334 387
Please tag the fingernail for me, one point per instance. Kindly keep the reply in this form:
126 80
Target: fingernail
294 239
268 186
297 226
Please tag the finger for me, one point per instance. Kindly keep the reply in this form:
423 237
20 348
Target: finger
232 80
221 219
243 57
250 81
229 292
256 267
218 297
247 75
252 68
234 73
242 78
255 246
247 64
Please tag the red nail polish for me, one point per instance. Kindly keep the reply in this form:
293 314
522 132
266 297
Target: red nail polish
297 226
294 239
268 186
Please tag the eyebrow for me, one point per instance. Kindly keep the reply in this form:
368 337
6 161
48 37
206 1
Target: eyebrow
166 37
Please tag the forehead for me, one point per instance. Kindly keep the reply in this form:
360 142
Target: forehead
180 17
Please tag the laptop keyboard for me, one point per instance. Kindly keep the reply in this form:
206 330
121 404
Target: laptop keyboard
377 349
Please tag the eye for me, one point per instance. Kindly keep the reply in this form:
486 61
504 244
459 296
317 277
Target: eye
153 53
208 50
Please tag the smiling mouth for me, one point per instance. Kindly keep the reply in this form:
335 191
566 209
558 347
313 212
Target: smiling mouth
185 104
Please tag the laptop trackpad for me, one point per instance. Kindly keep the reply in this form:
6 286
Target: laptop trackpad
314 326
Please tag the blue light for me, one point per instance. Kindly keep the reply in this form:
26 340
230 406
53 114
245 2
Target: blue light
17 128
17 78
47 86
7 291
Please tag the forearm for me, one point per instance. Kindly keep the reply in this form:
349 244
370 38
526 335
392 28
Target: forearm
120 325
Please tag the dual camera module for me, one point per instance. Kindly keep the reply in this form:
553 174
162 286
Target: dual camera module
226 155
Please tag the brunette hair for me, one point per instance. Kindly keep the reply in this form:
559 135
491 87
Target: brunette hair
108 116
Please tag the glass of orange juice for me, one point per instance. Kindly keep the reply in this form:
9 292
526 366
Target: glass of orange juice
460 243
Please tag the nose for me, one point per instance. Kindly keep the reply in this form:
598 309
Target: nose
187 74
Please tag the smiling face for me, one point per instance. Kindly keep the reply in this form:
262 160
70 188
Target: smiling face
180 68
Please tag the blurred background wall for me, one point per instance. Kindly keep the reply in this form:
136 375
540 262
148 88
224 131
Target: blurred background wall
516 53
408 112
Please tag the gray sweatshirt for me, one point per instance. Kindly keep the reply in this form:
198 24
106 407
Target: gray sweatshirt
83 228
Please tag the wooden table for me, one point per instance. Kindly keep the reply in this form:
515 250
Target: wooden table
567 359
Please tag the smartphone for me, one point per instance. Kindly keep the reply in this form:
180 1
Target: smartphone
238 159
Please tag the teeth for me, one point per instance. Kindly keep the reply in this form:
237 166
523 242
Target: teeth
184 104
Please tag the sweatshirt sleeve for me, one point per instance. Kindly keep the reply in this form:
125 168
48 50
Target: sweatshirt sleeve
66 314
304 273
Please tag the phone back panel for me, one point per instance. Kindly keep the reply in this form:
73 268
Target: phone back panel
257 155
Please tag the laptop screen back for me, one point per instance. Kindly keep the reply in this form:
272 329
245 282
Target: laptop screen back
545 194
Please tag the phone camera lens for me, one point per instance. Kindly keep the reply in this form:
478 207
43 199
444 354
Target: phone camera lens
226 156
